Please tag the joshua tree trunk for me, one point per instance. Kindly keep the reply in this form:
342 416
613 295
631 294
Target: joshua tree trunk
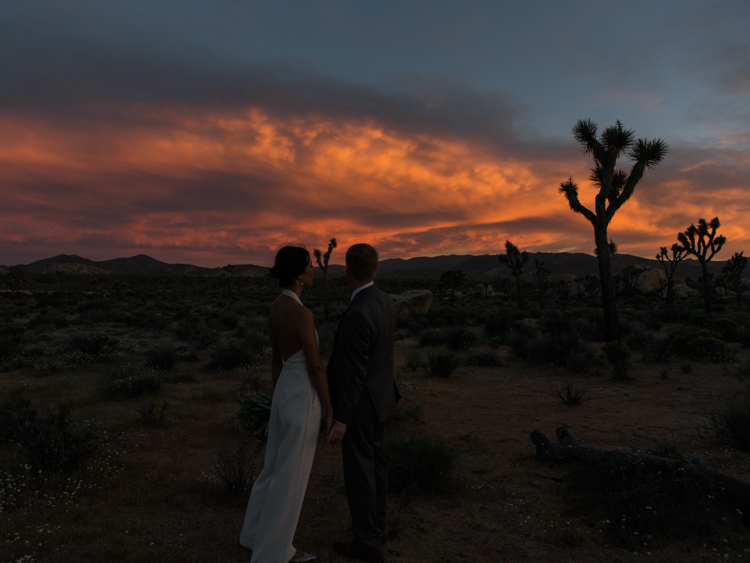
611 328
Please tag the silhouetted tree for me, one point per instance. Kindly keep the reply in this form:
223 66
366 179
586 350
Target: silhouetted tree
15 278
540 277
228 269
670 265
453 279
515 260
615 188
732 271
322 260
702 242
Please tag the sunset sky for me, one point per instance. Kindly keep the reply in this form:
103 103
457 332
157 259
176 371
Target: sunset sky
215 132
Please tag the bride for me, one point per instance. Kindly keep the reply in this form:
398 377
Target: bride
300 389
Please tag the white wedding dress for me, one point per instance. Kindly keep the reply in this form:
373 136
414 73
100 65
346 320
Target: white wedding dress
276 499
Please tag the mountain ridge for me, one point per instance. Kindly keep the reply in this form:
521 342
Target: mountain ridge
479 267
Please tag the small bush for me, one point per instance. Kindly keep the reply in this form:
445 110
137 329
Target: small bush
571 393
484 359
433 337
161 358
441 364
234 469
732 422
414 360
49 440
230 355
725 327
583 357
461 339
658 350
419 464
149 415
136 385
617 352
92 344
253 415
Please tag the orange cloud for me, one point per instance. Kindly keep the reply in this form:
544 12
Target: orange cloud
213 186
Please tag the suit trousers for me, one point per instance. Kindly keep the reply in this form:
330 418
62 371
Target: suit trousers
365 478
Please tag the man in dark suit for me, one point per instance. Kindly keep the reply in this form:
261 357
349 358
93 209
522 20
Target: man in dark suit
360 379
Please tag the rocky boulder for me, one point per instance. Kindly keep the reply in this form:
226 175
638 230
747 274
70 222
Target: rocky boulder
651 280
413 302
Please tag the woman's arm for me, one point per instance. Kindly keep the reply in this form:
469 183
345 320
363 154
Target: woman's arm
275 357
306 333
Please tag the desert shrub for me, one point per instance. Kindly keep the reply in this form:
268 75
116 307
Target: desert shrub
638 338
92 344
731 422
234 469
618 356
700 319
48 440
658 350
742 335
229 321
161 358
229 355
419 464
433 337
549 349
418 324
666 449
442 364
133 381
408 411
672 314
484 359
414 360
461 339
583 357
496 326
53 318
725 327
149 415
571 393
700 344
253 415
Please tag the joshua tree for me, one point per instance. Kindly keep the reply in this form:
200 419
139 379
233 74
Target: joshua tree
540 277
615 188
698 241
322 260
732 270
453 279
670 265
515 260
229 269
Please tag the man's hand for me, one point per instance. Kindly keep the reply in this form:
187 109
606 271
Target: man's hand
336 433
325 424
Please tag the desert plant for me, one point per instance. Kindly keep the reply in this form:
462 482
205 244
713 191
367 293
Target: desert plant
540 277
408 411
461 339
149 415
442 364
322 260
615 188
135 385
570 393
234 469
670 265
413 360
484 359
433 337
453 280
93 344
49 440
515 260
419 464
702 242
161 357
229 355
733 272
618 356
253 415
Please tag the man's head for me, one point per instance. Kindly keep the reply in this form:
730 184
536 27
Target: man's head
362 262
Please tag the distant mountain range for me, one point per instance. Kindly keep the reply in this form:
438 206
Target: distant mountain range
485 267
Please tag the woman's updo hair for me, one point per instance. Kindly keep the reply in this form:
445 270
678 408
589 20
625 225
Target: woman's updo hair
291 261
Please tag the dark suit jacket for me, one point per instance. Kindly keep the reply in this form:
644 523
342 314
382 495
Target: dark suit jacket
360 370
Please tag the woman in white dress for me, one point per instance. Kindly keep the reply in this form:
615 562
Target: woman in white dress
300 390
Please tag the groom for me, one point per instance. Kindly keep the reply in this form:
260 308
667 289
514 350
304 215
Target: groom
360 379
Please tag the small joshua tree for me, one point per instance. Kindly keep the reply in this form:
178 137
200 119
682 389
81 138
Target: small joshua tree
670 265
453 279
540 277
228 269
732 271
322 260
702 242
515 260
615 188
